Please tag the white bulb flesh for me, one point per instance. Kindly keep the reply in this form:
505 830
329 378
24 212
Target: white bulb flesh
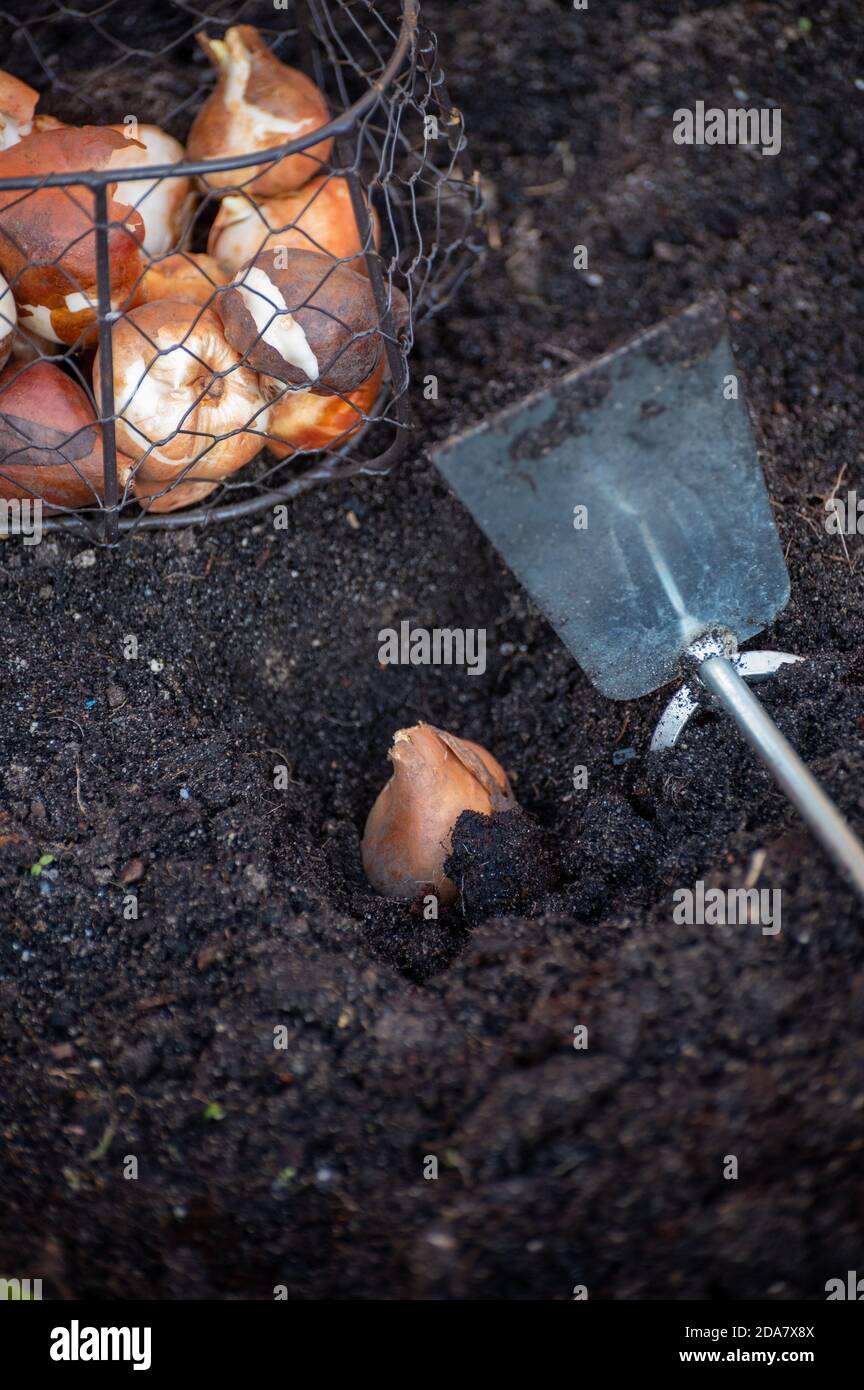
259 124
11 131
159 202
276 326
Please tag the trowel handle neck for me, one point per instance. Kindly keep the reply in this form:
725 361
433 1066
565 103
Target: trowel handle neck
719 676
715 641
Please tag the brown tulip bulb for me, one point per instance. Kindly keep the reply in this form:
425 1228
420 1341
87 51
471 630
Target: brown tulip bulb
165 204
48 238
436 776
8 321
259 104
189 412
17 104
190 276
318 217
50 439
301 318
300 420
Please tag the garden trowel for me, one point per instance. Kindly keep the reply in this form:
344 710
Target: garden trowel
629 500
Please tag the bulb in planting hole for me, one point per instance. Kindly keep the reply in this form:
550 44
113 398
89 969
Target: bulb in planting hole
436 776
259 104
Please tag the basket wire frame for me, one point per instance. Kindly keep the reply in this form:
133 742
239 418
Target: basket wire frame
381 76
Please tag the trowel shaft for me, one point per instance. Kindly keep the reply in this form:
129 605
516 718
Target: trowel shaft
720 677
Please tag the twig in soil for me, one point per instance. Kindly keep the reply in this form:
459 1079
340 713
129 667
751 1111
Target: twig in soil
755 869
66 720
833 491
846 552
81 807
555 350
540 190
622 731
155 1001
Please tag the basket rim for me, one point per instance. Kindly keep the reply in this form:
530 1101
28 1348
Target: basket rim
186 168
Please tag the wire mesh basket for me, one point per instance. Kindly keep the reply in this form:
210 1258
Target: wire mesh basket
211 291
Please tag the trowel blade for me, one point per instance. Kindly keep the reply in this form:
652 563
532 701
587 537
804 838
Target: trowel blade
677 535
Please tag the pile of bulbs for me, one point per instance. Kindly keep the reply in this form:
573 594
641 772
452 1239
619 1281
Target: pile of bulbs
271 337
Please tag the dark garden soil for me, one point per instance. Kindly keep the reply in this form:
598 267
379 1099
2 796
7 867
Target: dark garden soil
153 1037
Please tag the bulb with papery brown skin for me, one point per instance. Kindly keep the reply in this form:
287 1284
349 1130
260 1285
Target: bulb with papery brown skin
17 105
27 346
165 204
8 321
47 236
259 104
302 420
50 439
184 402
190 276
436 776
18 116
318 217
303 319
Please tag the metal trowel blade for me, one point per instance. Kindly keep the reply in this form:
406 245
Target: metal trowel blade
629 501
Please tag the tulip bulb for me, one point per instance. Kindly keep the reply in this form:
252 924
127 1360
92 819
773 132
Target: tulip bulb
303 319
436 776
184 402
50 440
27 346
47 237
259 104
188 275
319 217
17 104
302 420
8 321
164 204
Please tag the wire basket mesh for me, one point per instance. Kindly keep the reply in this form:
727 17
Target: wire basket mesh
211 289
